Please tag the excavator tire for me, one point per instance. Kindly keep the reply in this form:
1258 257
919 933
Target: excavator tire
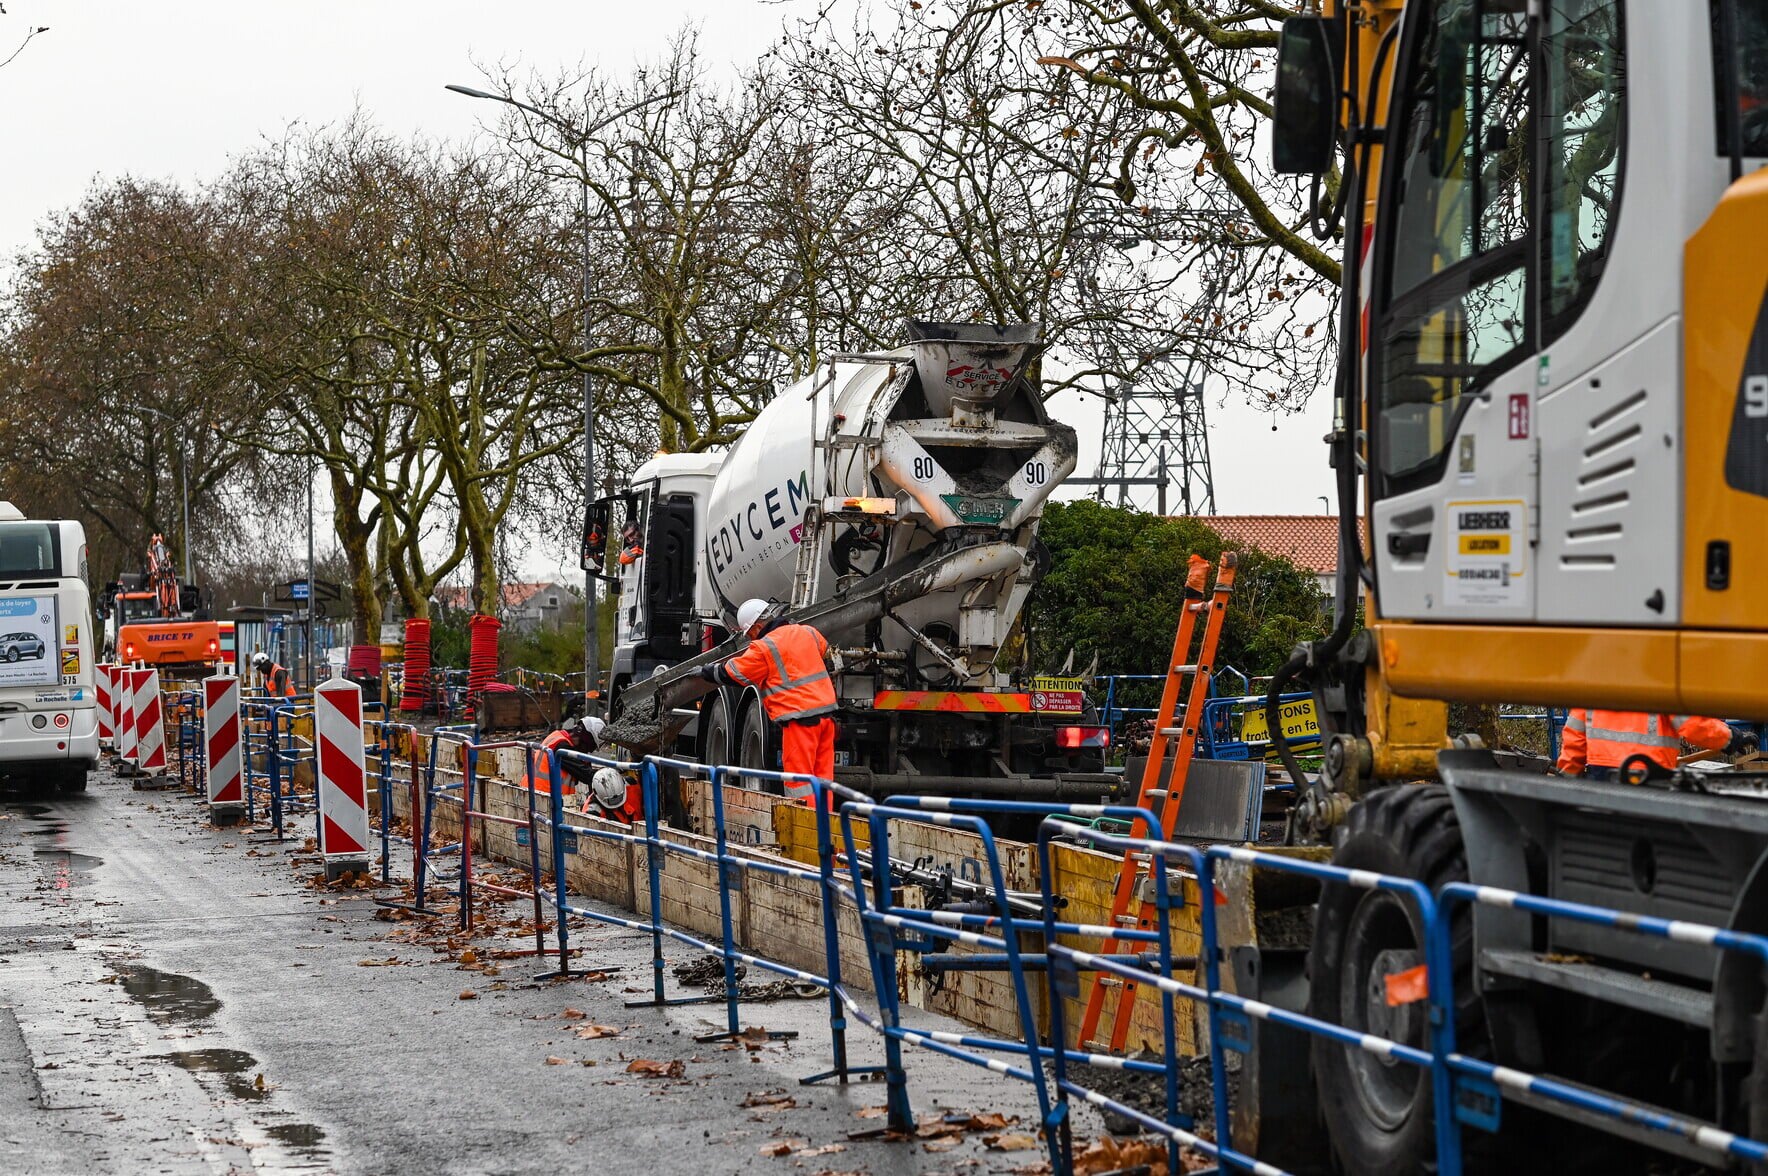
1378 1113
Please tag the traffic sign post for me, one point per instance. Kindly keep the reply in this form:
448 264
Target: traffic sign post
127 737
221 745
150 730
342 788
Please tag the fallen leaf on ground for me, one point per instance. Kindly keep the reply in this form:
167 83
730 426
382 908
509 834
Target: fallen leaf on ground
784 1147
651 1069
939 1145
554 1060
1106 1154
990 1121
777 1099
1008 1142
871 1112
828 1149
573 1014
469 956
592 1032
386 963
938 1129
468 994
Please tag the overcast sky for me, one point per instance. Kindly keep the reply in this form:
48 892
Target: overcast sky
172 89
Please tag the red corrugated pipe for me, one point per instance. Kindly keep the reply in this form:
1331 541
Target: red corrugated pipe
365 661
482 664
415 691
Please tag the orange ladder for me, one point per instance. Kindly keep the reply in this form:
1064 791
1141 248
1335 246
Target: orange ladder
1190 679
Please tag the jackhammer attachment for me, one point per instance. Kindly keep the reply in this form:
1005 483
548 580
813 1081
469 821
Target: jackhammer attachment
653 712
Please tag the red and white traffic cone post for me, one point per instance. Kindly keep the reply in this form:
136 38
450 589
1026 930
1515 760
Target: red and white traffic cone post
150 730
221 747
105 683
342 786
127 737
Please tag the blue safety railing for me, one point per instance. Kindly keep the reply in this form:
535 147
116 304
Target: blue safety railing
1017 934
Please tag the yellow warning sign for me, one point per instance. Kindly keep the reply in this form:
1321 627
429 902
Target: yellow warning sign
1485 545
1300 723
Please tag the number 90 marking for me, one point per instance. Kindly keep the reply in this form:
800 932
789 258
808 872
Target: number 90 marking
1036 473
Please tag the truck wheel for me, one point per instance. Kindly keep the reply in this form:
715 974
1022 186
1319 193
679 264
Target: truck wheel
754 742
715 743
1378 1112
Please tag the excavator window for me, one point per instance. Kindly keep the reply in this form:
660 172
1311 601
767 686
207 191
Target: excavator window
1455 267
1584 120
1748 64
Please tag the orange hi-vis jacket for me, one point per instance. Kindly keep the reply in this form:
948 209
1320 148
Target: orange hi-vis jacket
278 682
1606 738
787 667
540 777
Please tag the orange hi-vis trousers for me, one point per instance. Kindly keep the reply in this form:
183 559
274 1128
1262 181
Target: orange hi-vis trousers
809 749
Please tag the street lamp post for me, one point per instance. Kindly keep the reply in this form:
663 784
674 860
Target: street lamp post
592 634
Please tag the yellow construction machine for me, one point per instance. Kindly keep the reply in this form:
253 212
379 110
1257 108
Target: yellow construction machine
1552 416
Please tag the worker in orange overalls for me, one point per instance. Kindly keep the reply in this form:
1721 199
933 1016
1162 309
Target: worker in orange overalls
789 665
278 682
1596 742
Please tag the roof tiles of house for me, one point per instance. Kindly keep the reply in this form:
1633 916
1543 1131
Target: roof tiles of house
1308 541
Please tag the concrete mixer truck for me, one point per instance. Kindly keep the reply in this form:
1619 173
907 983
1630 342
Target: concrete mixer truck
892 501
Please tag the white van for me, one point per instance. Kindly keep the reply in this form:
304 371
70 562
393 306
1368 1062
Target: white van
48 701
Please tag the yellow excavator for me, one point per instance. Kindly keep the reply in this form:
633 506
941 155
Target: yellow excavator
1552 417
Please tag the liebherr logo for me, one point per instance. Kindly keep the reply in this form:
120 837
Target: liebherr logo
1484 520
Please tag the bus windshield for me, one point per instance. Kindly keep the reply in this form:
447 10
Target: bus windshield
29 549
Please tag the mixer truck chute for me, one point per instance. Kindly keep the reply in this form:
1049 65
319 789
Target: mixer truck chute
892 501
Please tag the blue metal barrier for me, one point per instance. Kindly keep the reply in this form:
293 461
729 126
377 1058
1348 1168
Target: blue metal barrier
989 935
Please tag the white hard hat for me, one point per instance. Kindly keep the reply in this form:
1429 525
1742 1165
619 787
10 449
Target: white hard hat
609 787
592 727
261 659
749 612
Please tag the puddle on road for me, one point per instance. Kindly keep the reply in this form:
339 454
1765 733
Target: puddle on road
81 862
302 1137
237 1069
168 998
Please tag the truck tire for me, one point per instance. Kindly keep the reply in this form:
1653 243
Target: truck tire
754 746
717 736
1378 1113
73 776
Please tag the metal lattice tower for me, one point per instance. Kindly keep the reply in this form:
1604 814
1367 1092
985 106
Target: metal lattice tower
1154 454
1157 439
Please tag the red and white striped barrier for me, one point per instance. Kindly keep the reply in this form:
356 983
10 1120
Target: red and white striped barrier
127 739
341 787
150 725
106 684
221 748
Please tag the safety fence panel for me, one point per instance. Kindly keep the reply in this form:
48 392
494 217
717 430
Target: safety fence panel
870 888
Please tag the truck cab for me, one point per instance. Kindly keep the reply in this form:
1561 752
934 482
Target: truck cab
659 595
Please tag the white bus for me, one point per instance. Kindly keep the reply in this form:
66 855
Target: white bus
48 703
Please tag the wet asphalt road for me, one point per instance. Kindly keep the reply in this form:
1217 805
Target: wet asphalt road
170 1004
